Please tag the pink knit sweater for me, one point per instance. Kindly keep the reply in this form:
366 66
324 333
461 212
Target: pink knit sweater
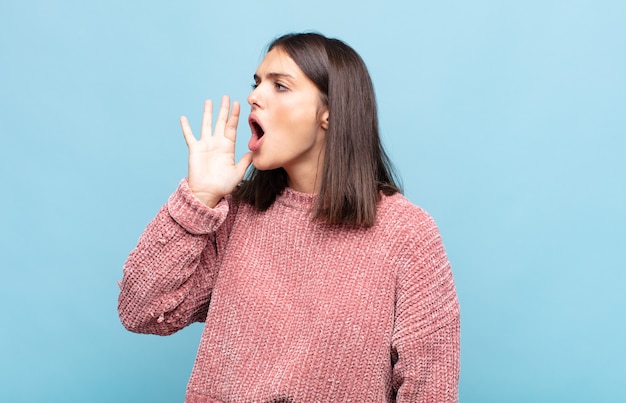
295 310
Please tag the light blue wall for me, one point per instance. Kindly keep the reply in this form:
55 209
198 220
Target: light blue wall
506 120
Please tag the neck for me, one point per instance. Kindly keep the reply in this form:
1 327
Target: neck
305 181
304 184
306 177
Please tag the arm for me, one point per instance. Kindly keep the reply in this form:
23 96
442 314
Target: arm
426 339
169 276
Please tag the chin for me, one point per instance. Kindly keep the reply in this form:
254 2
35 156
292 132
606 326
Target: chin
261 165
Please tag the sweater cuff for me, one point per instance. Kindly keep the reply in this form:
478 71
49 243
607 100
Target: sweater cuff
193 215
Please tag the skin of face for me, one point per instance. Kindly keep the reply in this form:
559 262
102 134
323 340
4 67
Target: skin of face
288 121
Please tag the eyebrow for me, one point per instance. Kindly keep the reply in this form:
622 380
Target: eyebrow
273 75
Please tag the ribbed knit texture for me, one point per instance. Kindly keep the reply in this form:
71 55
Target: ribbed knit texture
296 310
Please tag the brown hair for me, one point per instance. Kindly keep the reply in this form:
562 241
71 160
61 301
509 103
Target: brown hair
356 168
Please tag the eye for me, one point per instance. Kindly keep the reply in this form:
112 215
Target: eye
254 86
280 87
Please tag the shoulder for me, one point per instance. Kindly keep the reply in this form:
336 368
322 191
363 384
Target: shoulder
424 271
399 215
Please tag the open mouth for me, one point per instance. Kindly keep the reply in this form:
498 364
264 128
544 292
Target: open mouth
257 133
256 128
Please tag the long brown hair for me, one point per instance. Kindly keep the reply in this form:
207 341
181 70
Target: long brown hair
356 168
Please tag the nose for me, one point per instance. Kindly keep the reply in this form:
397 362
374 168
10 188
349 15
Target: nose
254 98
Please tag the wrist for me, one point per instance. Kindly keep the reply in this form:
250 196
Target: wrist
208 201
206 198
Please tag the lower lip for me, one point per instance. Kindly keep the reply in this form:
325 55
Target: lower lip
255 142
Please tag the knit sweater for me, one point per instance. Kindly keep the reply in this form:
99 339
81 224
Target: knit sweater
296 310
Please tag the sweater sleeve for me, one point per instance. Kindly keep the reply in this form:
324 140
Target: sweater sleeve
168 277
426 339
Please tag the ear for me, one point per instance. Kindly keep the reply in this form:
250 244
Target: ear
324 118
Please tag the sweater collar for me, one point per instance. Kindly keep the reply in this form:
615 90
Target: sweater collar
293 198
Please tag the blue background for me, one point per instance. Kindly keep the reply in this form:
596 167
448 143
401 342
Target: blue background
505 119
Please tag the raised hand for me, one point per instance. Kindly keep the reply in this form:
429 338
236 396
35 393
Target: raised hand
213 172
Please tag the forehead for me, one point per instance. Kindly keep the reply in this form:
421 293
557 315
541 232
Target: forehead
277 61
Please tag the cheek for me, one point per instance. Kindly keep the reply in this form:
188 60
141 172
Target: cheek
296 119
303 119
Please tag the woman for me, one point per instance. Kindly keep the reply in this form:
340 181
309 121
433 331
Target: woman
316 279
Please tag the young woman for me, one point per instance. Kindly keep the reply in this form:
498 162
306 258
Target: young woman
316 279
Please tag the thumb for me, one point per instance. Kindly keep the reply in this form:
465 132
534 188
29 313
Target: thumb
243 164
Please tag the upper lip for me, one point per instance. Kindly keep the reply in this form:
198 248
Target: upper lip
255 125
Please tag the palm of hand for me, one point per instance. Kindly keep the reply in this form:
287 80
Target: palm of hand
213 172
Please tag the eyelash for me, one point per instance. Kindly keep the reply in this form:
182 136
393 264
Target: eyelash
277 85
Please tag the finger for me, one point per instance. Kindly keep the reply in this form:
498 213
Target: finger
189 137
222 115
207 119
231 125
243 164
